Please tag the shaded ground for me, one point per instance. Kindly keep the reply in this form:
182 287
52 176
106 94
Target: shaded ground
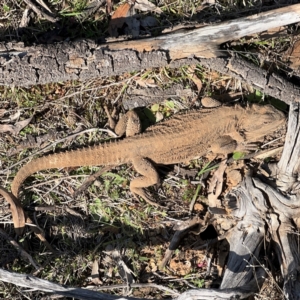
105 227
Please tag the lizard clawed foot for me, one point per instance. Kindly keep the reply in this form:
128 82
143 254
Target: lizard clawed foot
146 197
247 147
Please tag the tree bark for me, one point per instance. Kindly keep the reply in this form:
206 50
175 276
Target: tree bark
82 60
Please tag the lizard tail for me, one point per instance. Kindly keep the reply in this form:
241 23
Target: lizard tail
105 154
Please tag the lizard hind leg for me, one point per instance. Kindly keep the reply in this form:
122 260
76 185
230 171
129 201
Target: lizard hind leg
150 177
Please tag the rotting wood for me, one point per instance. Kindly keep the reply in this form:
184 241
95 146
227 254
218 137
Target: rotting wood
262 210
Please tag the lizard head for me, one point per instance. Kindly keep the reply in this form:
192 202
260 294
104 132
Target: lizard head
261 120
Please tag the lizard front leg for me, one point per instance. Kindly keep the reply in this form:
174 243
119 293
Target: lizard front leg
150 177
128 124
224 145
230 143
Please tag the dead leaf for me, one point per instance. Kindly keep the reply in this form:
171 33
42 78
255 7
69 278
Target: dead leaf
21 124
17 212
7 128
146 83
125 272
95 273
145 5
270 153
118 19
13 117
15 129
196 80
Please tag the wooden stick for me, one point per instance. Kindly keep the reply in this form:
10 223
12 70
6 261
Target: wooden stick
203 42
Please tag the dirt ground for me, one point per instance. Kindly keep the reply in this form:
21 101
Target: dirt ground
104 238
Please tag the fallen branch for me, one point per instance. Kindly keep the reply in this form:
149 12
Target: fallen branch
82 60
21 250
33 282
41 12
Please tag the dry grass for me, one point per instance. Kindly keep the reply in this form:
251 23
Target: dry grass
105 216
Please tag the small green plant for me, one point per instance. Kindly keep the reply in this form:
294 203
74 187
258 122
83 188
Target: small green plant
256 97
238 155
189 192
149 114
101 212
166 109
206 168
198 282
6 8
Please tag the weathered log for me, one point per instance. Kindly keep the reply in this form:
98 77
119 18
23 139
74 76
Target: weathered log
81 60
33 282
263 209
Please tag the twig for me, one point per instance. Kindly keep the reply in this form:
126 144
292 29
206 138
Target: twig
136 285
42 3
215 189
124 87
97 88
22 252
181 231
33 282
29 281
40 13
90 180
54 180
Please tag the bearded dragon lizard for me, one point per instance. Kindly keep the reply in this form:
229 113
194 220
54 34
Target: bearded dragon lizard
181 138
